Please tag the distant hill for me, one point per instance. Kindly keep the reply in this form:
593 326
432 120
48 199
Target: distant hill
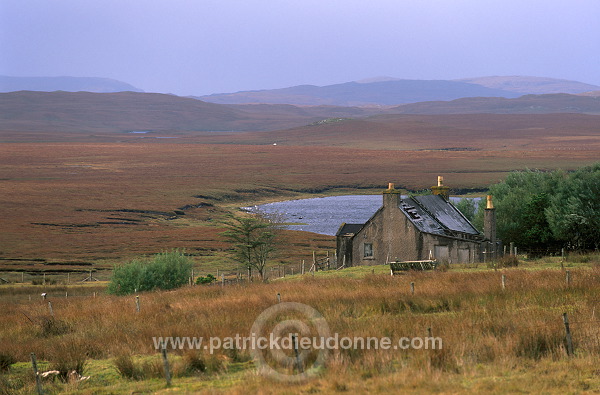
83 112
592 93
528 104
379 92
66 84
386 91
531 85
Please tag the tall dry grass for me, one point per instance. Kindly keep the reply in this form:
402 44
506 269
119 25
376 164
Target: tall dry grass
479 322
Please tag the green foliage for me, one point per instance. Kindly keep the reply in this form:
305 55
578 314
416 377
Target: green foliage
544 209
167 270
205 280
467 207
252 240
574 214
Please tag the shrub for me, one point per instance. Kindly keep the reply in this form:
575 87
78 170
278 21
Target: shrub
205 280
6 360
167 270
69 360
53 327
505 261
127 368
194 363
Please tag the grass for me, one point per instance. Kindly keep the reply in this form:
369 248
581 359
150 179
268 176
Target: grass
495 341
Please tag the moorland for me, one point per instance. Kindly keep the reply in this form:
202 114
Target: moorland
79 188
81 191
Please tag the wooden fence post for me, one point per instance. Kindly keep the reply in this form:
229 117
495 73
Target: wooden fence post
568 335
303 266
166 366
137 303
503 282
38 381
278 297
298 362
50 309
568 278
222 280
412 288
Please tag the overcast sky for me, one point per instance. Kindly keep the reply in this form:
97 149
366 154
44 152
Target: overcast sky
200 47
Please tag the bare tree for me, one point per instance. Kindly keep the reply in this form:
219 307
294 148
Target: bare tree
253 241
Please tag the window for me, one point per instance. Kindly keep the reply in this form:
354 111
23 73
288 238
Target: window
368 250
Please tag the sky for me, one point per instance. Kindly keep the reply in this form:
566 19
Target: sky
198 47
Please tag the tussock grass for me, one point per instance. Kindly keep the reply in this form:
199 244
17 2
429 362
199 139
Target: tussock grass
483 327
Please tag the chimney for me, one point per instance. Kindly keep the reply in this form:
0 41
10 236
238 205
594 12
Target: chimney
391 196
490 204
489 220
440 189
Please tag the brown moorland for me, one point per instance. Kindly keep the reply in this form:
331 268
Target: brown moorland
85 202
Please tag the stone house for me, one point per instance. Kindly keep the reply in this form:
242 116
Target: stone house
417 228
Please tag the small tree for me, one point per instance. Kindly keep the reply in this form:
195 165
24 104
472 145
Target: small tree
253 241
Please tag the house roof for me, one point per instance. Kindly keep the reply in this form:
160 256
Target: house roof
434 214
349 229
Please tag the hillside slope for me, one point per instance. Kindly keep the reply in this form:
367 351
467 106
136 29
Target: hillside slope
356 93
102 113
66 84
531 85
528 104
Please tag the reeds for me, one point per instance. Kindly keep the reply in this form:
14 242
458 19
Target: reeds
480 323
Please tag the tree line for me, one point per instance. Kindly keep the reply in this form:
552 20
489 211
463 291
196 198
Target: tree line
546 209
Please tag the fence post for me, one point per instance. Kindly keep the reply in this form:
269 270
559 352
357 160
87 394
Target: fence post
568 333
503 282
568 278
166 366
137 303
412 288
278 297
50 309
298 362
303 266
38 381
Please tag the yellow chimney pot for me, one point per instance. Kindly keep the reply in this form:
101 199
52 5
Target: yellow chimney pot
490 204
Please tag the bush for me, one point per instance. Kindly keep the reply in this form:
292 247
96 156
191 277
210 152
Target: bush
50 326
127 368
167 270
6 360
194 363
205 280
70 361
507 261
